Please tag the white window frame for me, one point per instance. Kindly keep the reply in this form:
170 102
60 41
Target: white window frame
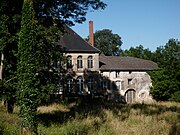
79 62
90 62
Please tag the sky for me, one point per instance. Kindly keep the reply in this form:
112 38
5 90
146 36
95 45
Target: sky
150 23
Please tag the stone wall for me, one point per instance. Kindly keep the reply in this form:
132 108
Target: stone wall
132 83
85 57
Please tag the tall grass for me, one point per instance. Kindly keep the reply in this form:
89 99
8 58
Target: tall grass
98 117
10 124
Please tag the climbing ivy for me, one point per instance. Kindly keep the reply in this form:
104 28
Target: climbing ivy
28 81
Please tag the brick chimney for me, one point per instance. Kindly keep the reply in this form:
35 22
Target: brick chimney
91 33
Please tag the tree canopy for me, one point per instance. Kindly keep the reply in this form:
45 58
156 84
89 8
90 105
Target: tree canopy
139 52
10 18
107 42
69 12
50 17
165 80
28 39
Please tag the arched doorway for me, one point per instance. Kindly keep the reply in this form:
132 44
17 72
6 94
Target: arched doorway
130 96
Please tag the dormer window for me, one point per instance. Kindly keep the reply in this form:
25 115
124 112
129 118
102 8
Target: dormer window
69 62
79 62
90 62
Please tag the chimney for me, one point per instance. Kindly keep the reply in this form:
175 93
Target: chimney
91 34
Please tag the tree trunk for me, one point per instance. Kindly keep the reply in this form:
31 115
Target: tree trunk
10 105
1 67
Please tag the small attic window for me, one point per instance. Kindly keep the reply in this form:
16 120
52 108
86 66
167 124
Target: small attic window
129 81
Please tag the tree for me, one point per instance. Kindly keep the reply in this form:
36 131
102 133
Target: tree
66 11
34 70
47 13
166 81
138 52
107 42
10 18
28 65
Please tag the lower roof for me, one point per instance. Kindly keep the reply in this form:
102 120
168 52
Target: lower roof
126 63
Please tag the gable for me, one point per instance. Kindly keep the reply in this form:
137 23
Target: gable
72 42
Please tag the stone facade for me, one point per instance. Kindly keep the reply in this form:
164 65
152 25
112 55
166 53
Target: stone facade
95 59
127 86
80 79
89 73
132 86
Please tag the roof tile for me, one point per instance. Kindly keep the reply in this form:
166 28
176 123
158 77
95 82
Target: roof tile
125 63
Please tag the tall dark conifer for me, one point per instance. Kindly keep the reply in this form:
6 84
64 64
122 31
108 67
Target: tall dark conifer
27 68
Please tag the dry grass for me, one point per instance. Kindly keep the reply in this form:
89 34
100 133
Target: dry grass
158 118
55 107
103 118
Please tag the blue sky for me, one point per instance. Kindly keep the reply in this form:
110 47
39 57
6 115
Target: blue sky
150 23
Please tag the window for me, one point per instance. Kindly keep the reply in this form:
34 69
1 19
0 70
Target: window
90 84
117 74
79 62
79 85
69 62
69 84
129 81
118 85
90 62
104 85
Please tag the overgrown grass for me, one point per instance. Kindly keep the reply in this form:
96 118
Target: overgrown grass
10 124
98 117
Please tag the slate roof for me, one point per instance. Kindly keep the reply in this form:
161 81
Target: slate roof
72 42
125 63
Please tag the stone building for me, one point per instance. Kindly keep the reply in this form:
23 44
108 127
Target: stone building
91 73
129 76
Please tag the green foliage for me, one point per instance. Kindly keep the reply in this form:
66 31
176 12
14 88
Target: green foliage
10 124
37 49
67 11
176 96
28 83
37 53
138 52
107 42
166 81
161 83
10 17
49 14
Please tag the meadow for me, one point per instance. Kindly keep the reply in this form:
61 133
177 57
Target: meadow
99 117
